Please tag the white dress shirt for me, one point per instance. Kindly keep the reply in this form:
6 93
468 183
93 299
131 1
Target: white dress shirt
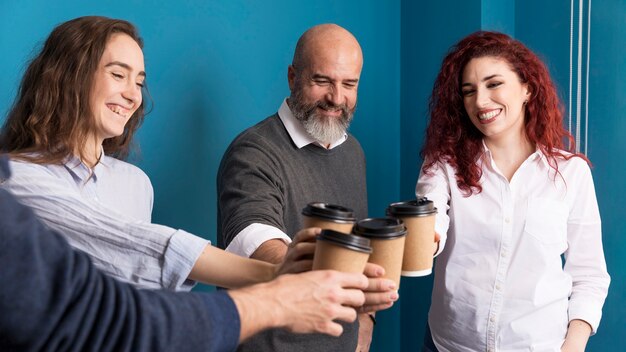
254 235
106 213
500 281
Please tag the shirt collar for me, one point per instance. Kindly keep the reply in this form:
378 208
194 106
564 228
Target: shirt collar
537 155
82 171
297 133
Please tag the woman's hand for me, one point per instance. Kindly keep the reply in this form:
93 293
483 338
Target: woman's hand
436 243
299 256
381 293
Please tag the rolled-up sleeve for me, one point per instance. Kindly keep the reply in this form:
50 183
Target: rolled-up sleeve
434 186
585 256
147 255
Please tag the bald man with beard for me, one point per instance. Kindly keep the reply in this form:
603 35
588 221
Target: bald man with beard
301 154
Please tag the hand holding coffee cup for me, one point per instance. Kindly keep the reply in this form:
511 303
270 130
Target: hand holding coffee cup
419 219
299 256
380 293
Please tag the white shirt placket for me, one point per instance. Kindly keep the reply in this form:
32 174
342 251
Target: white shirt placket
506 239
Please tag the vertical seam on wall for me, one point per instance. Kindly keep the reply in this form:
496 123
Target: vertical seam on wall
571 44
587 77
579 73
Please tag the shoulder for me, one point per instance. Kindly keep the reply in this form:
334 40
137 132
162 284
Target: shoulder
352 141
20 168
266 131
569 161
266 138
127 170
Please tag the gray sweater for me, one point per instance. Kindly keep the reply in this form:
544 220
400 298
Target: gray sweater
264 178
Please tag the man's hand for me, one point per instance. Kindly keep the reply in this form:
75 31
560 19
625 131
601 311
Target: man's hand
301 303
299 257
380 293
366 330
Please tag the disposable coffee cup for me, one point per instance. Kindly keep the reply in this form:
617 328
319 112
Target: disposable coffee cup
419 219
339 251
329 216
387 236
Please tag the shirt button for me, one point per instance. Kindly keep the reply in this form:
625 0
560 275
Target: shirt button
503 254
498 287
507 220
492 319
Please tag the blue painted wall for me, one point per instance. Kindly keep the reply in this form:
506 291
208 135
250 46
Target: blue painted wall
217 67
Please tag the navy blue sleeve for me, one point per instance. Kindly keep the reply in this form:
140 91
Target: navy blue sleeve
53 298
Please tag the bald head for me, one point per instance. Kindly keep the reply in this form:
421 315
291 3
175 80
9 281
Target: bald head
324 38
323 79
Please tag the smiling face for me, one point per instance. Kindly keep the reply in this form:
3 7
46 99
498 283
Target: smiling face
324 83
116 92
494 97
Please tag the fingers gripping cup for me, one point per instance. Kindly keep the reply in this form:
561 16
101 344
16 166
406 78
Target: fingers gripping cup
419 219
386 237
340 251
329 216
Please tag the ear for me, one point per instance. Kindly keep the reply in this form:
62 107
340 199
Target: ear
291 77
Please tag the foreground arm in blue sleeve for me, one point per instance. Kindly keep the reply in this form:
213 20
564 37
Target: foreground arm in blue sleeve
53 298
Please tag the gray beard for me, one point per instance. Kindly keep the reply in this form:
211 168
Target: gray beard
325 130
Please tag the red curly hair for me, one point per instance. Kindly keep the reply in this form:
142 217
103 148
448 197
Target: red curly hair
451 137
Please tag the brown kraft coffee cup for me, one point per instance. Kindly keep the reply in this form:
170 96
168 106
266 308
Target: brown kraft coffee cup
387 236
419 219
328 216
339 251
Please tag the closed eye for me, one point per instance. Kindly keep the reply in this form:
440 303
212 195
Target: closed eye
467 92
321 81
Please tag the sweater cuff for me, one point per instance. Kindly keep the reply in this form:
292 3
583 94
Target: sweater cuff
180 256
224 321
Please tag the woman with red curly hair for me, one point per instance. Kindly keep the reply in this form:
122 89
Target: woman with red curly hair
512 200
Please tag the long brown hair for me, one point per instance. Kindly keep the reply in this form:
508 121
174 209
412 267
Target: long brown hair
52 117
450 135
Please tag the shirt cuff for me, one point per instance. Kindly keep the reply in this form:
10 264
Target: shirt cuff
253 236
585 309
180 256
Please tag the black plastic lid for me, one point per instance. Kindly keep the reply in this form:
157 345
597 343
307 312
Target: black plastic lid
380 228
353 242
421 206
329 211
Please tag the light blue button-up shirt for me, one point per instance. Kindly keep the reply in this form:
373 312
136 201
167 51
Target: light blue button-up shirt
106 212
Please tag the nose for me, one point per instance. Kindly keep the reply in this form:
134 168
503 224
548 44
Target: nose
482 97
132 93
335 95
